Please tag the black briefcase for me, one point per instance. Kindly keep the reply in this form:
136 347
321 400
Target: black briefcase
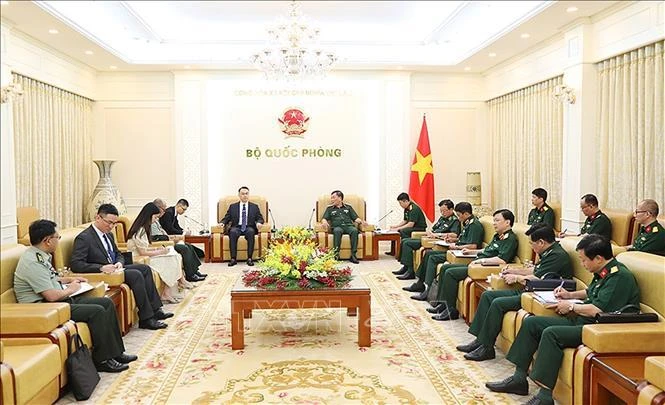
549 285
627 314
81 372
432 293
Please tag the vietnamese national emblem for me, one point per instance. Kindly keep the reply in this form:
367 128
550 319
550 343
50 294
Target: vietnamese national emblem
293 122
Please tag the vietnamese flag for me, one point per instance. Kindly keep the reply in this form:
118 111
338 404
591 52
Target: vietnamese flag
421 185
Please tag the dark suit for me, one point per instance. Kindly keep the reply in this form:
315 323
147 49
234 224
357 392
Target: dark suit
90 255
170 223
231 223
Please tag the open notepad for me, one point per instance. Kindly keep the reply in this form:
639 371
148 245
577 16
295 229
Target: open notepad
85 287
547 297
442 243
385 232
458 253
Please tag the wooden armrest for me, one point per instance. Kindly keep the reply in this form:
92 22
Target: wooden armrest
98 290
499 283
265 227
162 243
367 228
113 279
418 234
648 337
318 227
217 228
480 272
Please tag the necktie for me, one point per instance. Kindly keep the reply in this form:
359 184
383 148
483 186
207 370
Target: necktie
243 220
109 250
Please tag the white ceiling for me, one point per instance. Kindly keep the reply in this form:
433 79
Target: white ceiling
415 35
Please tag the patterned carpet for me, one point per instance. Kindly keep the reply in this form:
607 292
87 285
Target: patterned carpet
302 356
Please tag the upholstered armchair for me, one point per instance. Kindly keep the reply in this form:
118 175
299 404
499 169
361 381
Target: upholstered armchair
221 247
24 327
621 225
24 217
29 371
324 236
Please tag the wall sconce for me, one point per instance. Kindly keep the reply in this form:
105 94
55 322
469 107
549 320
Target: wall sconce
564 94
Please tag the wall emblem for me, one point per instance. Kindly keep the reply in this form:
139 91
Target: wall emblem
293 122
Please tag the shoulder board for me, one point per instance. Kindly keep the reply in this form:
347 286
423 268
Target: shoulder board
614 269
40 259
545 208
470 221
655 229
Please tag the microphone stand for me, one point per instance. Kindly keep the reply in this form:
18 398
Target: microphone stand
274 225
203 230
309 227
381 219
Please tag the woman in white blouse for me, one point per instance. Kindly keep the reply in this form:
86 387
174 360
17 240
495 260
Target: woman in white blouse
163 260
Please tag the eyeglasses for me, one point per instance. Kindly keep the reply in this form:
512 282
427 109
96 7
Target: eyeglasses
58 237
112 223
640 212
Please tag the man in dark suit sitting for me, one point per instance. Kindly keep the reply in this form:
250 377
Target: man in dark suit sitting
95 251
242 219
169 220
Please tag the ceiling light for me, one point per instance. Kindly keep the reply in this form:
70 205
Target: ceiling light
53 31
492 54
525 35
113 67
467 68
89 52
571 9
292 51
4 3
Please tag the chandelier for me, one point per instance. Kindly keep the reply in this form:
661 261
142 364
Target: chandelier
292 52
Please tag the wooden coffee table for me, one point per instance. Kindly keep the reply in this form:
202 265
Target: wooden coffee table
355 296
205 240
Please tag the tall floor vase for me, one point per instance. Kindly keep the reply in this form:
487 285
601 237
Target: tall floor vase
105 192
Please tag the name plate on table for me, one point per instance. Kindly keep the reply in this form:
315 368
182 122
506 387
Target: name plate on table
458 253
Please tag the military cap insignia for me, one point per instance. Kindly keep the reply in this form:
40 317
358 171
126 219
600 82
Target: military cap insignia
40 259
614 269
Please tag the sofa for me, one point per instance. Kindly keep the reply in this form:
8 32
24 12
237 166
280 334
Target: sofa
654 374
24 217
30 369
221 249
324 236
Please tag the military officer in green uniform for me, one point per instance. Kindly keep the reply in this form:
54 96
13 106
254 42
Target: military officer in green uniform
651 235
613 286
471 237
595 222
446 226
414 219
486 326
342 219
541 212
501 250
35 280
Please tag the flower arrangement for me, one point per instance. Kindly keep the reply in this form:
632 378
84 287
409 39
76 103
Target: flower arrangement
294 262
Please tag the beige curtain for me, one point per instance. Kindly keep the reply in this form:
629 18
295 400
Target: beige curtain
526 135
631 133
52 137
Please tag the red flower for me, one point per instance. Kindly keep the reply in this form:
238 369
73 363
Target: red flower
303 265
303 283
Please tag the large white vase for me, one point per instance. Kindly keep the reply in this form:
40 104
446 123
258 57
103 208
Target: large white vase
105 192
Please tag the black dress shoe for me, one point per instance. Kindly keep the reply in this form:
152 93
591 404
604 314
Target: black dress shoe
152 324
446 315
201 275
415 287
354 260
538 401
481 354
409 275
437 309
126 358
421 297
233 262
510 386
250 262
161 315
400 271
468 348
111 366
194 278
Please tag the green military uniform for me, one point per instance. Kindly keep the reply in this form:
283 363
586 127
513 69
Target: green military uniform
598 224
611 289
503 246
413 213
472 233
545 215
409 245
650 239
494 304
34 274
342 221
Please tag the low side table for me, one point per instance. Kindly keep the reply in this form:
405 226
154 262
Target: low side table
617 376
115 295
205 240
392 236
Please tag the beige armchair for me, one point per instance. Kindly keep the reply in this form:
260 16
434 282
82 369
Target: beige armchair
24 217
221 247
365 235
